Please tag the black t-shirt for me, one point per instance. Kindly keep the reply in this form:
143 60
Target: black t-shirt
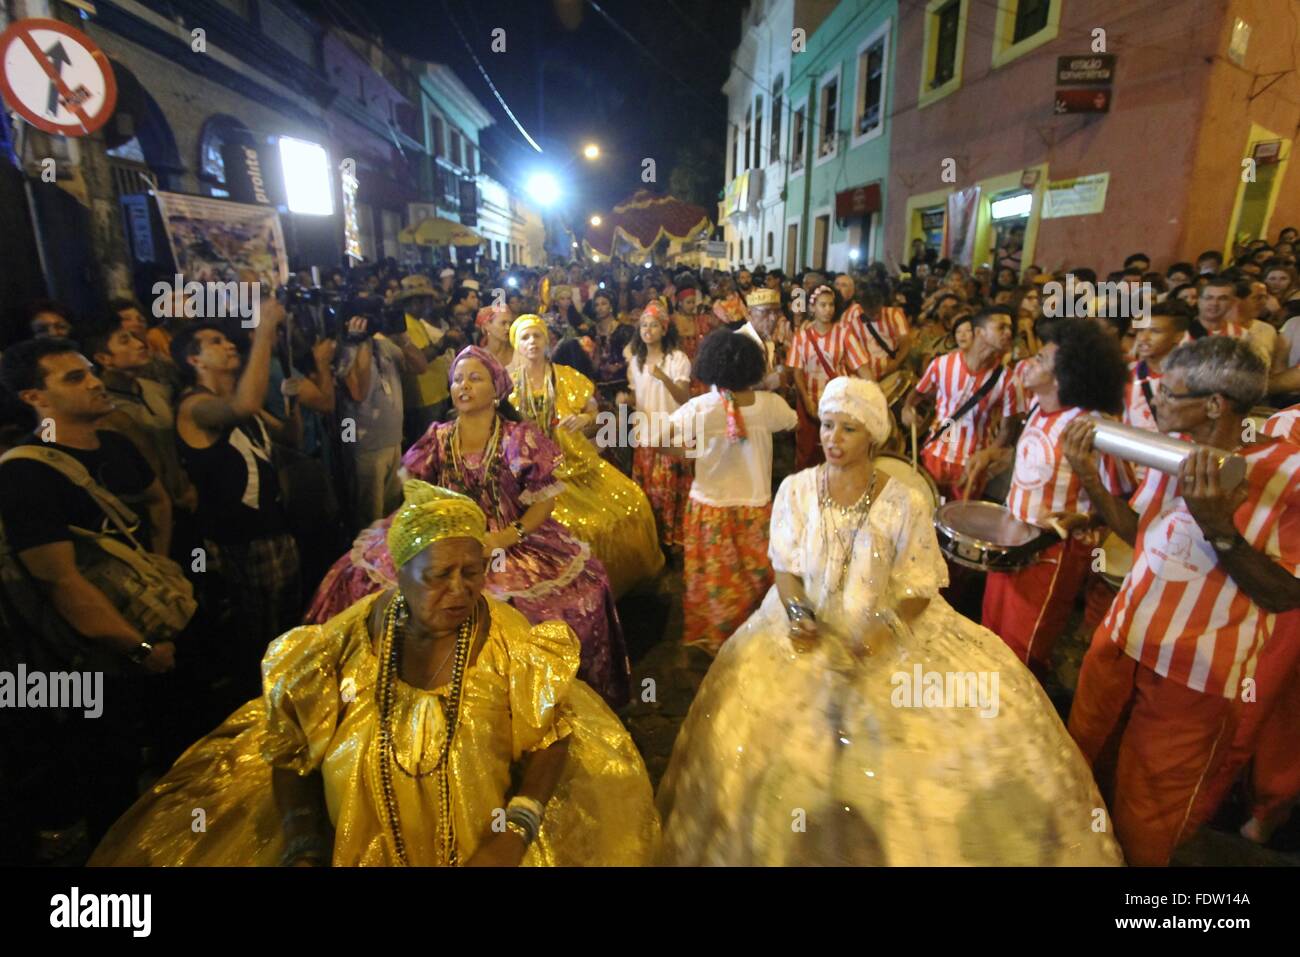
37 503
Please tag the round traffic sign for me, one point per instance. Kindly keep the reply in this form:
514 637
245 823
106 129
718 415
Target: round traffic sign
55 77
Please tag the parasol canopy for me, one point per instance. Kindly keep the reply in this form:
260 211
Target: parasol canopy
642 220
436 231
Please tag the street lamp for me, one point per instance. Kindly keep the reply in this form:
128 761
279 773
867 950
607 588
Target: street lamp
591 151
595 220
543 188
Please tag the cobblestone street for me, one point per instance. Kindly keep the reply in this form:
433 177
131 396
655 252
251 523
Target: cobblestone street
652 622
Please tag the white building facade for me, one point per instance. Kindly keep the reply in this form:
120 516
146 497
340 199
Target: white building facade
752 211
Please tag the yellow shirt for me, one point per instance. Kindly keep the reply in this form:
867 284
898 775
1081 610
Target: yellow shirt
431 385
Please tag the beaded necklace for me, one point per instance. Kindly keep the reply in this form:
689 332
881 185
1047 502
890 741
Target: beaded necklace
390 661
854 516
540 409
457 472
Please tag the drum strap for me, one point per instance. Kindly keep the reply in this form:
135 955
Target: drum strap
1143 372
880 340
821 358
966 406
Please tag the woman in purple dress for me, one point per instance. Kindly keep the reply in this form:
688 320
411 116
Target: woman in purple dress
507 467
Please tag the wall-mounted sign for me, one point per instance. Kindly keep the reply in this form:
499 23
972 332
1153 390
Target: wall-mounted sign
1080 196
252 173
55 77
1093 69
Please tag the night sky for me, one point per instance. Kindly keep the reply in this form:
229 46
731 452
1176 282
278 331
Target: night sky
569 76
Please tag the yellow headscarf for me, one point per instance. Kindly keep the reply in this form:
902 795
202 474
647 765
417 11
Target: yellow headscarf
522 323
429 514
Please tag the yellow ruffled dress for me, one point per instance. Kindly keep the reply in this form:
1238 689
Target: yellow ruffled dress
600 505
319 712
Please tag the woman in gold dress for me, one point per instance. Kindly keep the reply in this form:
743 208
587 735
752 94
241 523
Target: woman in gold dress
391 735
856 718
600 505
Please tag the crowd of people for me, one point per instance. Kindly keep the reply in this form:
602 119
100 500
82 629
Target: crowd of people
396 515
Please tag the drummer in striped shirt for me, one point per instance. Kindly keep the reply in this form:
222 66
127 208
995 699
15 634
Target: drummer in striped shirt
824 348
1172 665
883 329
953 379
1079 369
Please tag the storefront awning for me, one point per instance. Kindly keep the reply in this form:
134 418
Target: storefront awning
436 231
860 201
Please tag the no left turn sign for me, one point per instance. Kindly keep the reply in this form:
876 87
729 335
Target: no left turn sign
55 77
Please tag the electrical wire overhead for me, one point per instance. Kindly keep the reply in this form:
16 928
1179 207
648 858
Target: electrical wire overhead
487 79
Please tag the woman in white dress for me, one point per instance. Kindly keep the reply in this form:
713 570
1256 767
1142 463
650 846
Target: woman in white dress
856 718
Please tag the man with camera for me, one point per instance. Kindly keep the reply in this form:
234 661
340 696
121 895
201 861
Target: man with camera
371 368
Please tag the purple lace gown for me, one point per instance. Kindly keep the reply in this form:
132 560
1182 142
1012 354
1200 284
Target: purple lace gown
549 575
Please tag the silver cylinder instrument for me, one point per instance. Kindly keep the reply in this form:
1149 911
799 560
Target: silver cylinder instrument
1158 451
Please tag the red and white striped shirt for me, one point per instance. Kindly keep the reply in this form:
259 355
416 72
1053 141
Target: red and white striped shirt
1233 329
1043 482
1179 612
1285 425
952 383
1137 409
891 326
1018 399
840 349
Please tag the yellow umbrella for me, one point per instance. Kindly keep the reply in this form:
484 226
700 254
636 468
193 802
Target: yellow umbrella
436 231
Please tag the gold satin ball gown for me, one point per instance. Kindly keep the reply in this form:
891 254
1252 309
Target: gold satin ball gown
320 712
600 505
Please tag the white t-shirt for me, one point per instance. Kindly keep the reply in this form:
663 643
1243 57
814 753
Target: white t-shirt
1291 333
726 473
652 395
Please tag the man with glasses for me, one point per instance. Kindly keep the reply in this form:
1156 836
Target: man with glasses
1171 668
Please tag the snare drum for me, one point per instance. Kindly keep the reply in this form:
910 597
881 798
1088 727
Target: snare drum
896 385
898 467
987 537
1118 555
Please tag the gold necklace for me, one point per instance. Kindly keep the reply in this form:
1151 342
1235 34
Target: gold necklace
389 667
539 409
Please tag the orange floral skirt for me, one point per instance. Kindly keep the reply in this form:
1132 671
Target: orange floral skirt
727 570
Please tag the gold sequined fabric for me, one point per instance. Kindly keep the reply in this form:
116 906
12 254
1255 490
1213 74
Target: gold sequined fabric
429 514
320 713
833 757
600 505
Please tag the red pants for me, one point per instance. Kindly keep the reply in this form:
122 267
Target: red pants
807 440
948 476
1266 731
1028 609
1152 744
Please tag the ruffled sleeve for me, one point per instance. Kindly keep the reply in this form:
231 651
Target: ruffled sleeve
424 458
785 541
543 665
533 458
919 570
300 682
573 390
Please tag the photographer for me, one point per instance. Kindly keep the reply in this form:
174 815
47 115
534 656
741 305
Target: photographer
371 368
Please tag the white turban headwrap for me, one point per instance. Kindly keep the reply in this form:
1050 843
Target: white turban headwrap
862 400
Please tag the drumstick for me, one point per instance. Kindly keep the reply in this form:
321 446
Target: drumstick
914 468
1058 528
